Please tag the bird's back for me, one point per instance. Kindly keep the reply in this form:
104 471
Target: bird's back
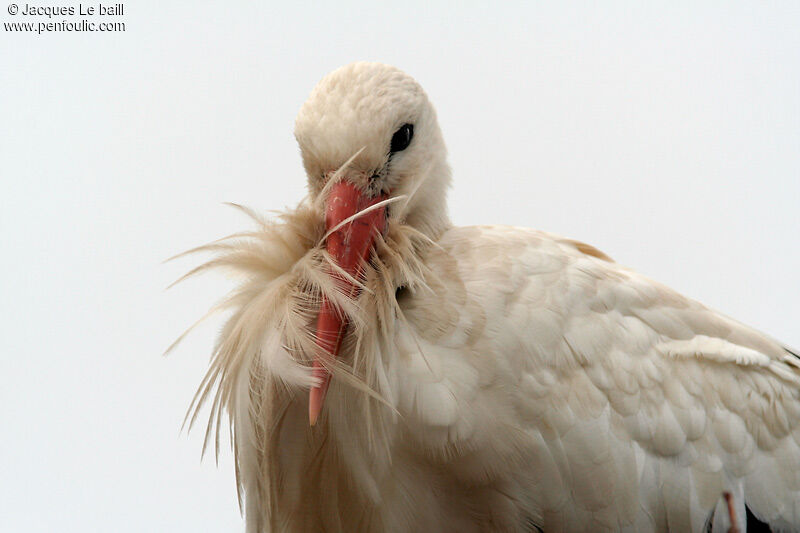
575 394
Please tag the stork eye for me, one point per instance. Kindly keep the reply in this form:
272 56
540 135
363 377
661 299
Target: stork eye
402 138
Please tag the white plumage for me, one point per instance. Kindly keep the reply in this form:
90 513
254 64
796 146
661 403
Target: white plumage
490 378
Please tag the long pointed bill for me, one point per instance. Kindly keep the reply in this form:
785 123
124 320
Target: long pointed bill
349 246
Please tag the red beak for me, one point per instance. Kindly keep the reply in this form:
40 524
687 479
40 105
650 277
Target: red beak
349 246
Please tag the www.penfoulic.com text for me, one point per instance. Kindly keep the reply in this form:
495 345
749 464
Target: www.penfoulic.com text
74 18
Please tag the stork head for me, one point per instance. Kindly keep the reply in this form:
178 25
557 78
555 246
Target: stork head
368 136
381 114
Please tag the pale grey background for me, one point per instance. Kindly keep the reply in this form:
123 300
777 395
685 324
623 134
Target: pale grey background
667 136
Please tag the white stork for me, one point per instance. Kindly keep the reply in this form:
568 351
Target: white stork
386 371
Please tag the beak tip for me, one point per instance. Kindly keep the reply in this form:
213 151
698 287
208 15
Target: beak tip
312 418
315 399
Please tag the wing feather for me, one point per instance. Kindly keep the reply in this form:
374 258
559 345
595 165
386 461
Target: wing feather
627 391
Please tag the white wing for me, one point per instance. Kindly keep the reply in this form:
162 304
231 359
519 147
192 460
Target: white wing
595 398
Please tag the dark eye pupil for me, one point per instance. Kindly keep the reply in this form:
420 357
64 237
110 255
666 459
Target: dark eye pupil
402 138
